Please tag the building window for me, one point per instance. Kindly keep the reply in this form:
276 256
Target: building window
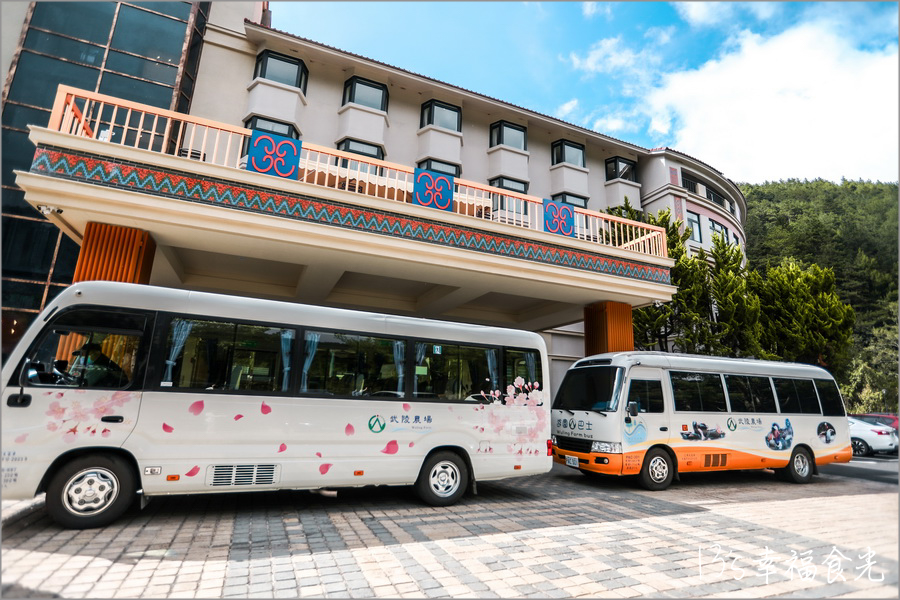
716 227
507 183
564 151
689 184
441 114
621 168
364 148
693 222
440 166
715 196
511 204
270 126
570 199
366 92
507 134
283 69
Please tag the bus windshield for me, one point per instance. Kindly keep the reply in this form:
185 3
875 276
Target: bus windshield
590 388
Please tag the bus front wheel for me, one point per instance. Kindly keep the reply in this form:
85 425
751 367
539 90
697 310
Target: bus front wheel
443 479
90 491
657 471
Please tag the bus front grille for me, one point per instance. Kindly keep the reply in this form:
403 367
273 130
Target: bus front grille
228 475
573 444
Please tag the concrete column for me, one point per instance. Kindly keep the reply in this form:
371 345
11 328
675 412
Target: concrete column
115 253
607 328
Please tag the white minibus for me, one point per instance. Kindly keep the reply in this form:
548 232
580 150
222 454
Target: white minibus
120 388
656 414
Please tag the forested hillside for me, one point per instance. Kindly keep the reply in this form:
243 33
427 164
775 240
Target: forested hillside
851 228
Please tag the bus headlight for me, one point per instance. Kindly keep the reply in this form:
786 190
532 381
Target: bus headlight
607 447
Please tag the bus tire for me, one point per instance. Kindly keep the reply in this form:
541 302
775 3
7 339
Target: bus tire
443 479
657 471
860 447
800 468
90 491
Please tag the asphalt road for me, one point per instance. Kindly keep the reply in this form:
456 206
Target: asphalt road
882 468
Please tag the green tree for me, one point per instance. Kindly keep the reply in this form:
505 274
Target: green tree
871 382
737 307
802 317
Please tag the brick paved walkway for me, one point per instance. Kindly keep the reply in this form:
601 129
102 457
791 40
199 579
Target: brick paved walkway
553 536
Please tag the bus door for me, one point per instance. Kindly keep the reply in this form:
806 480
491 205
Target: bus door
651 423
77 385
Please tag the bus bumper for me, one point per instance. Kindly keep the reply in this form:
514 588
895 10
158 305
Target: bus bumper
608 464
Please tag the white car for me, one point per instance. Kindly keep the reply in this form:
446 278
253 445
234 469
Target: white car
867 438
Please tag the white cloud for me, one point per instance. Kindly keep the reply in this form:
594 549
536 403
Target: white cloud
589 9
660 35
615 124
704 14
610 56
567 109
805 103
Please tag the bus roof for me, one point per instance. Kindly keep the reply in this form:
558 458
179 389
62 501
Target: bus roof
694 362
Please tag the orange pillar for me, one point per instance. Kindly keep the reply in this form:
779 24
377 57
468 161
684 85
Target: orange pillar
115 253
608 328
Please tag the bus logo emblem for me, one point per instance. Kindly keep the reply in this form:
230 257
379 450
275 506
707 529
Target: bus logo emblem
376 424
731 424
571 423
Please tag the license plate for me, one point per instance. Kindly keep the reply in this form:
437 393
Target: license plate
571 461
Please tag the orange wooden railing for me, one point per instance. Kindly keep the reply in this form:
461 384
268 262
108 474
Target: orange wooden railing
117 121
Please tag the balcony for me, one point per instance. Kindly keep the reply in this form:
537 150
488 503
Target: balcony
344 230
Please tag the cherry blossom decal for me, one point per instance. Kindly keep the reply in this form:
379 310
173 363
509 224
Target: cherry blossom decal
323 468
21 438
192 472
406 407
238 417
349 430
168 428
73 417
265 408
282 447
391 448
196 408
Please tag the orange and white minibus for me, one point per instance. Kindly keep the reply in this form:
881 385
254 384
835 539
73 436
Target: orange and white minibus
656 414
120 388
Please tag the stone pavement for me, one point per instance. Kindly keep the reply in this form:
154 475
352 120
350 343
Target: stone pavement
559 535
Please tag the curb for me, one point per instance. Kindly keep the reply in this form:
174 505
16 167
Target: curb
21 510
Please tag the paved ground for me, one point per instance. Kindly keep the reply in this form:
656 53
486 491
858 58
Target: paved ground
552 536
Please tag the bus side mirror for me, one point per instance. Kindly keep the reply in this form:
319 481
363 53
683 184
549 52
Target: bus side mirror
633 409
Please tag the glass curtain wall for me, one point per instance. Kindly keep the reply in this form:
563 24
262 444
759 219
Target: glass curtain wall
146 52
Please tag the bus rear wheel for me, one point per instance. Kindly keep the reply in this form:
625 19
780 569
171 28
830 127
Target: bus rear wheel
800 467
657 471
443 479
90 491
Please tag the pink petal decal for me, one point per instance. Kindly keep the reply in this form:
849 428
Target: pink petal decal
105 432
319 454
196 408
324 468
192 472
282 447
349 430
411 444
265 408
406 407
21 438
238 417
168 428
391 447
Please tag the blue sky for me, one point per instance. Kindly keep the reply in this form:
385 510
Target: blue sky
760 90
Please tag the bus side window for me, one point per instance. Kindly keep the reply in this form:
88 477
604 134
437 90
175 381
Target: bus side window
648 395
830 398
214 355
797 396
750 394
